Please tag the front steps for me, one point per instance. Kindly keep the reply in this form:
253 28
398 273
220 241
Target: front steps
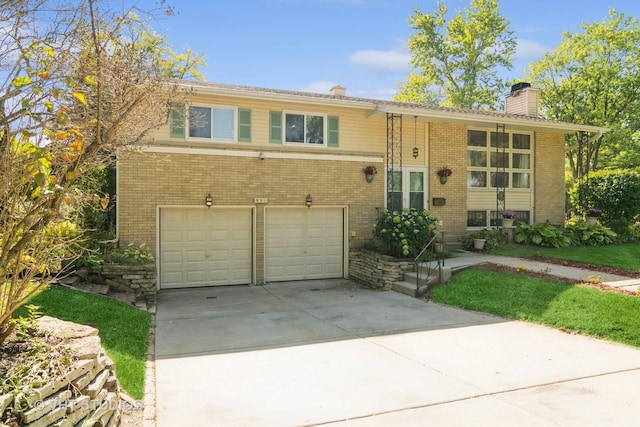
429 278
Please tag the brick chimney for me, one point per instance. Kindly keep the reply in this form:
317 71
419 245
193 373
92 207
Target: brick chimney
522 100
338 91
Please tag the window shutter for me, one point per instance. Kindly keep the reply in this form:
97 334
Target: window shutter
333 125
275 127
244 125
176 120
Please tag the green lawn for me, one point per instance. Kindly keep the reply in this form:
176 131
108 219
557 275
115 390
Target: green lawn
124 330
588 311
624 255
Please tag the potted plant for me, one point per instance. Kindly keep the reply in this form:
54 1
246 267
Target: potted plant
508 216
479 239
592 215
444 172
369 171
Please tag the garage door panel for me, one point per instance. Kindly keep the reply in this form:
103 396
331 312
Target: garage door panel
303 243
205 247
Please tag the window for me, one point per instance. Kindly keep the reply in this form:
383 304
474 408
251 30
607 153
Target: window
521 216
406 189
479 218
488 153
304 128
216 123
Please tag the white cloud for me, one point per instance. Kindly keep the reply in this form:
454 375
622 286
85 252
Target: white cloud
529 50
319 87
382 60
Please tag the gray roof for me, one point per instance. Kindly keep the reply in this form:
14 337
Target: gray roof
423 111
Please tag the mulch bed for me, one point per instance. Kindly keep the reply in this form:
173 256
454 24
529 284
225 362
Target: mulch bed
599 268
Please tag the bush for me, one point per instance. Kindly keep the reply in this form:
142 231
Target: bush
494 239
615 192
582 233
541 234
404 234
635 230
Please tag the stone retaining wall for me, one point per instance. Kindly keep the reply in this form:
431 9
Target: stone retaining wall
88 392
139 279
376 270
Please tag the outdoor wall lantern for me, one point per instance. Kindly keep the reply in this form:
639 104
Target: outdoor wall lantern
308 200
208 200
262 156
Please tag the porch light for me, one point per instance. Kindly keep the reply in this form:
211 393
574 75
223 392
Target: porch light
208 200
415 130
308 200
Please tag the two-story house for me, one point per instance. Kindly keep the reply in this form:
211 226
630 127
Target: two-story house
248 185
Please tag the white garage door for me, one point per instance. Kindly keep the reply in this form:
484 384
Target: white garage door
303 243
205 247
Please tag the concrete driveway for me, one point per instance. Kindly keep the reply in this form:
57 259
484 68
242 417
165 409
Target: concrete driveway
330 353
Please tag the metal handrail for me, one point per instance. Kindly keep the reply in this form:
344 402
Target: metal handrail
440 258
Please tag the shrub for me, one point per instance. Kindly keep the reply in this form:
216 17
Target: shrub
541 234
634 229
582 233
132 254
404 234
616 193
494 239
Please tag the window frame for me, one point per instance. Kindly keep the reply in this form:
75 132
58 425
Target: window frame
212 107
489 171
305 114
405 190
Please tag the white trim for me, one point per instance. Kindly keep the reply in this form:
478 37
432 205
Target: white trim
256 154
211 107
406 184
304 114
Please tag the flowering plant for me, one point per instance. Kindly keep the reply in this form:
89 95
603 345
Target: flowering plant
594 212
370 170
509 214
444 172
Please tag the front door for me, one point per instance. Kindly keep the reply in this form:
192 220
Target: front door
406 188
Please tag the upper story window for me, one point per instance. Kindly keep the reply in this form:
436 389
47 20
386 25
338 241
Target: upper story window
217 123
498 160
296 128
304 128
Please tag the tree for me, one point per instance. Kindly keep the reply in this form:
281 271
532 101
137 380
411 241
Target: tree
592 78
457 62
79 84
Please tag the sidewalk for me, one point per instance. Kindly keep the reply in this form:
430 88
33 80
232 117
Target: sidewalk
463 259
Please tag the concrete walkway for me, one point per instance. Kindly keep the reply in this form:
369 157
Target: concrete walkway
331 353
464 259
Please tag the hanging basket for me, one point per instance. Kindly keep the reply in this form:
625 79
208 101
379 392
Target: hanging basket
369 177
443 180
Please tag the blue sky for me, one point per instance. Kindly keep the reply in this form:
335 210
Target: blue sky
312 45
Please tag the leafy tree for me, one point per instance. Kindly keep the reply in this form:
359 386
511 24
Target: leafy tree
78 84
457 61
592 78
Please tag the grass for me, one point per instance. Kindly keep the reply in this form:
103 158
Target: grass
124 330
581 309
623 255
